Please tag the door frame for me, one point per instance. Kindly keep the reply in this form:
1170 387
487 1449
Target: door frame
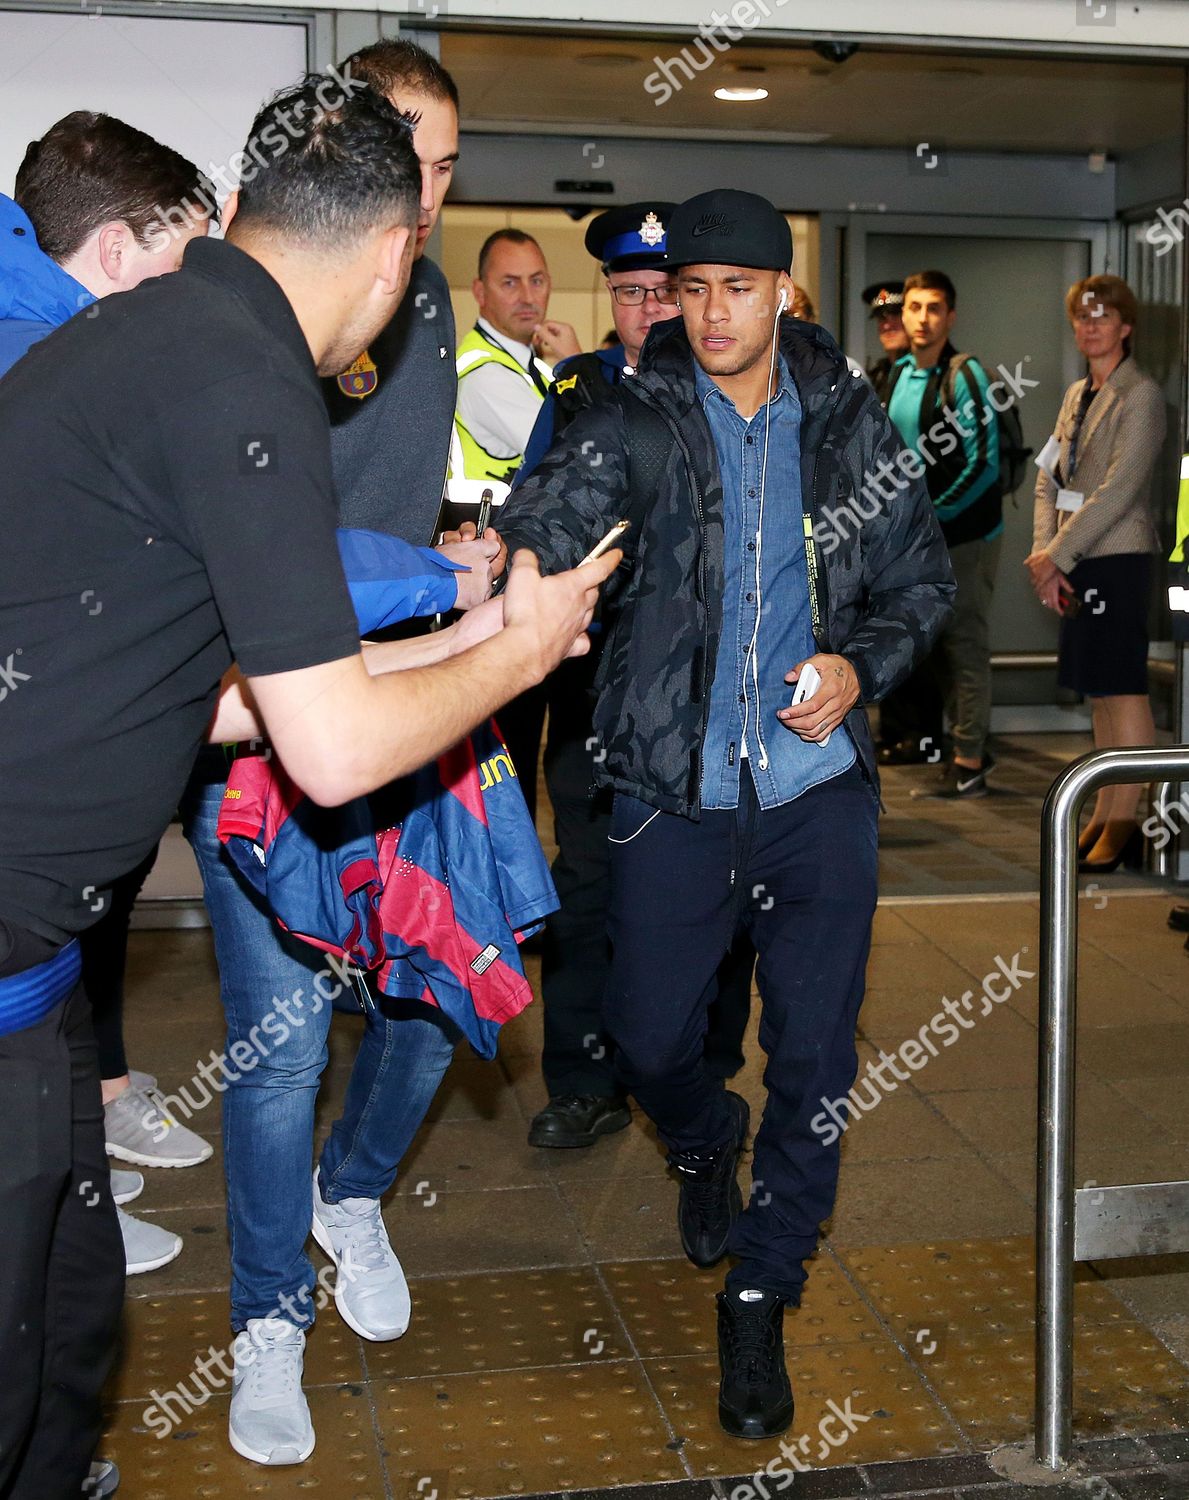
1104 241
849 266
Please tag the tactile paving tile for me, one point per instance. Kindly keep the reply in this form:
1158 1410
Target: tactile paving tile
1124 1381
163 1337
523 1432
904 1421
196 1462
976 1286
510 1320
668 1307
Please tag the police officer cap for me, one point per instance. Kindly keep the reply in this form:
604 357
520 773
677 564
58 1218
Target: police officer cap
727 227
631 238
884 296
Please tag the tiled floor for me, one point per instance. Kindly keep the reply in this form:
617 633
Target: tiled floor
560 1342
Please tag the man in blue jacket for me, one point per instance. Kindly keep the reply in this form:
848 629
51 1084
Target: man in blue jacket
96 189
735 809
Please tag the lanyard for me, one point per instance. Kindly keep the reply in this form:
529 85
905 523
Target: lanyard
1085 401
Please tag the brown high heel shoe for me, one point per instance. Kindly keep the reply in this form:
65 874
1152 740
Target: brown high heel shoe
1127 849
1089 837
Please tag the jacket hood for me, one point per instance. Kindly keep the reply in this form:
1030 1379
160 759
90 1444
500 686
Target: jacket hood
667 361
32 286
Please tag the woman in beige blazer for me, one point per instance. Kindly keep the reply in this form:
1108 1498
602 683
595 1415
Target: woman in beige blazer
1093 540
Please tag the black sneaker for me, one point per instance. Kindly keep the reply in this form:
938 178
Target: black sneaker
957 781
578 1120
755 1399
710 1200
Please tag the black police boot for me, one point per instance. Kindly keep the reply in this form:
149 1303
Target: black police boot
755 1399
710 1200
578 1120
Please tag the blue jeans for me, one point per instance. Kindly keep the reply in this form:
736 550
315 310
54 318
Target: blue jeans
282 990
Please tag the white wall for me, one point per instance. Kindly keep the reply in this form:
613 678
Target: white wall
195 85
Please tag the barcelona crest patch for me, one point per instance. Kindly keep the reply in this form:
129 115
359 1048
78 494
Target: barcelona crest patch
359 379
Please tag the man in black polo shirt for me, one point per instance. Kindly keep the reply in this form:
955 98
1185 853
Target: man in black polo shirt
164 517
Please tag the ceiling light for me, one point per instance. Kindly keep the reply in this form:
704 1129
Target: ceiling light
606 59
740 96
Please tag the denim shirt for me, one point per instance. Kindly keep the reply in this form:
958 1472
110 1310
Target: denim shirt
742 725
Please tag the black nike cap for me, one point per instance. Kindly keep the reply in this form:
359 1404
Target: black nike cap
727 227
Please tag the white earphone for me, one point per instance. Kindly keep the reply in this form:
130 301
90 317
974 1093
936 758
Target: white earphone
783 303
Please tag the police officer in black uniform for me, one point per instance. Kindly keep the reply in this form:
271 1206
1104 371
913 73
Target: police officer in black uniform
910 717
884 301
585 1101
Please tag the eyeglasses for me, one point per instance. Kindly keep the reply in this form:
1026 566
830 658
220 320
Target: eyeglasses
636 296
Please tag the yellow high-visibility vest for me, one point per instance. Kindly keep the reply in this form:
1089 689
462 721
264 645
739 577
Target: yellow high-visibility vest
468 457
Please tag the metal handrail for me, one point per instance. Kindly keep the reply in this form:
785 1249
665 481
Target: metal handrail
1058 1001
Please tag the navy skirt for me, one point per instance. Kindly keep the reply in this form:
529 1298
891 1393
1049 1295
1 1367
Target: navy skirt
1103 649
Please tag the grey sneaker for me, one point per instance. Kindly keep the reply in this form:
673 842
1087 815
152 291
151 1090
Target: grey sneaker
146 1246
370 1290
102 1481
126 1185
139 1129
146 1082
270 1417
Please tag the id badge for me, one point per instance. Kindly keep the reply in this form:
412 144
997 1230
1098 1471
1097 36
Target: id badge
1070 500
1047 458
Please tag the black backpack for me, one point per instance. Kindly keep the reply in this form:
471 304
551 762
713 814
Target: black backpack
1014 453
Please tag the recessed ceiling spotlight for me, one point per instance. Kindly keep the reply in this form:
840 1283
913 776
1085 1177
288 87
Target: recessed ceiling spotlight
740 95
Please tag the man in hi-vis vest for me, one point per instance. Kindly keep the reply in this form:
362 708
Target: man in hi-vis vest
505 363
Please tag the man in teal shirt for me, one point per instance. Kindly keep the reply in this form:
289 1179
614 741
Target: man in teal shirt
939 403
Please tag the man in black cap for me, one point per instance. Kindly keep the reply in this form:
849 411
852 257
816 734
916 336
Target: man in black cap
585 1098
910 719
884 300
733 808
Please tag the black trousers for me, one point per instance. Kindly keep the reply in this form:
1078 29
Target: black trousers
914 711
105 957
62 1265
578 1056
679 891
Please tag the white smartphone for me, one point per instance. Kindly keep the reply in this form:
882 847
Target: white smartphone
808 682
608 541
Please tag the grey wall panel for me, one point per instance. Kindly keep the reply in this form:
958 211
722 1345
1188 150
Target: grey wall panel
1153 175
522 169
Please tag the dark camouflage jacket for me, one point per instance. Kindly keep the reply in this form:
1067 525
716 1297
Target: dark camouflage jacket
884 585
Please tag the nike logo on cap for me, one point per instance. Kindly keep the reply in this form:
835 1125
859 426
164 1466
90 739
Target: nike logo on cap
708 223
